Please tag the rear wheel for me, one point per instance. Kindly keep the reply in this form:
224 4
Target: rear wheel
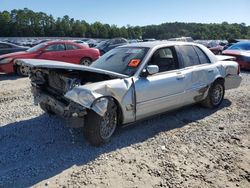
22 70
215 95
97 129
86 61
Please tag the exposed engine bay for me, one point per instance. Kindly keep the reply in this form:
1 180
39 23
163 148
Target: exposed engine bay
58 82
50 86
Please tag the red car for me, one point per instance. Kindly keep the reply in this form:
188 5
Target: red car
55 50
240 50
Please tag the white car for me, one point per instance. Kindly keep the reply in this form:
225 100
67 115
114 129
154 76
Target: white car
130 83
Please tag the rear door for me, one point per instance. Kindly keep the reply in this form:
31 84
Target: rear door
73 53
201 71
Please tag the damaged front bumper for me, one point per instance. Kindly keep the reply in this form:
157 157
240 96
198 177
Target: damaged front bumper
72 112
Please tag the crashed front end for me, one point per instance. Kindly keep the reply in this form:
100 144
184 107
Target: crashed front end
62 91
49 92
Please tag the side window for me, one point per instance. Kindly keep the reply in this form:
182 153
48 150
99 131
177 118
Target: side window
2 46
72 47
55 47
165 59
189 56
202 56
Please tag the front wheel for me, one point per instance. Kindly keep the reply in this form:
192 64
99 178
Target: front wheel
215 95
97 129
22 70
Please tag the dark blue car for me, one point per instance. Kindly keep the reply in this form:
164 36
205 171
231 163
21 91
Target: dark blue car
6 48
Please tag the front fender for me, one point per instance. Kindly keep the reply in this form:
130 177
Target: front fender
89 99
92 96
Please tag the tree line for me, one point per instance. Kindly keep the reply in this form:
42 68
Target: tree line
27 23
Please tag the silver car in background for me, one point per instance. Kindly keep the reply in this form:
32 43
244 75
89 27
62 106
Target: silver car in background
130 83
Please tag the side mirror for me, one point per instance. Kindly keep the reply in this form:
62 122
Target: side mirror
150 70
41 52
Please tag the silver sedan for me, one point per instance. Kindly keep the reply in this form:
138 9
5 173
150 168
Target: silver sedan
130 83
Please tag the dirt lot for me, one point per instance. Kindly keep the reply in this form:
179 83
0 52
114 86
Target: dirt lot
191 147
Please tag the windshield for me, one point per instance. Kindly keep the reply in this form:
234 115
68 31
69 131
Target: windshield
37 47
240 46
123 60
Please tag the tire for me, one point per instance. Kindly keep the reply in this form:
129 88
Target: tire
86 61
97 129
47 109
215 95
22 71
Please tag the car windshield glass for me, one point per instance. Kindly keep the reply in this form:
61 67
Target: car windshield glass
240 46
37 47
123 60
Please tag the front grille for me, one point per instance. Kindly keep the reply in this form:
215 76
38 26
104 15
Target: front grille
56 82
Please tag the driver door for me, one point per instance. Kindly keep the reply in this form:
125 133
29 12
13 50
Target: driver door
164 90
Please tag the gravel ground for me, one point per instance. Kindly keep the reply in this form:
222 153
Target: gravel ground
190 147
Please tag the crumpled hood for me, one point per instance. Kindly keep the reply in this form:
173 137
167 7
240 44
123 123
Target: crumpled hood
48 64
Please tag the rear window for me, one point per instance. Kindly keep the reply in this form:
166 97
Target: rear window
72 47
189 56
202 56
55 47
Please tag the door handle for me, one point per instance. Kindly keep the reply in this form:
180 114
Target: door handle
180 77
210 70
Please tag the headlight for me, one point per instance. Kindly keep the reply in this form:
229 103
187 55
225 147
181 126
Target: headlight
5 60
85 98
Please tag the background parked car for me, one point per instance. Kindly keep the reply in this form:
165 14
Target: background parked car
92 42
6 48
105 46
215 47
240 50
183 39
65 51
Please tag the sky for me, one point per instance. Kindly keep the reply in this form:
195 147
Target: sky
140 12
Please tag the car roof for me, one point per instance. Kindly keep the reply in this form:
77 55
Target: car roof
61 41
153 44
